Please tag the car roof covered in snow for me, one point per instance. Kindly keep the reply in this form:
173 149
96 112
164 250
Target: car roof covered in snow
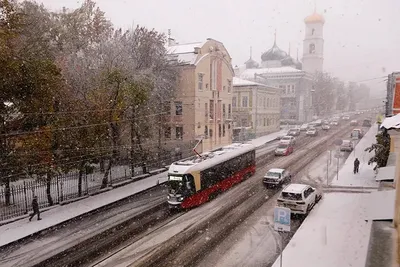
295 188
276 170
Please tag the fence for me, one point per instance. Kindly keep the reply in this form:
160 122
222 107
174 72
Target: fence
62 188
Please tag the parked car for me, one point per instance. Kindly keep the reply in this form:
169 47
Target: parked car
367 123
346 145
299 198
357 134
284 150
288 139
276 177
294 132
312 132
304 127
354 123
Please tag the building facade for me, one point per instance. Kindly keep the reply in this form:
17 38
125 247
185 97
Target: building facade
255 109
294 78
202 110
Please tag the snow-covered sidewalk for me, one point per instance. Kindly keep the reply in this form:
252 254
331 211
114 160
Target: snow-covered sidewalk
336 232
22 228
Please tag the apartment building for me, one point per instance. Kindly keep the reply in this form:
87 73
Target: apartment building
202 109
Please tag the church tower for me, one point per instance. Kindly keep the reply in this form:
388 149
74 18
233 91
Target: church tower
313 44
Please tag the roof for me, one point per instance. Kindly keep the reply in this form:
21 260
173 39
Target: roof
249 73
391 122
241 82
386 173
276 170
209 159
275 53
185 52
381 205
315 18
295 188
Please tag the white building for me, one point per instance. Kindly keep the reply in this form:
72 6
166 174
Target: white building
255 107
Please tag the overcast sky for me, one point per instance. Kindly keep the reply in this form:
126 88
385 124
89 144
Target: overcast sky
362 40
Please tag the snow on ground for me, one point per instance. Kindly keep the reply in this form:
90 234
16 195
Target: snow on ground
334 234
22 228
260 141
366 175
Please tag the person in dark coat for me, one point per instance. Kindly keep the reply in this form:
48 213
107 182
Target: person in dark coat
35 207
356 165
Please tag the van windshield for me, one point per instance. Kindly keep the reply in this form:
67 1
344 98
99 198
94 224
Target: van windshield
291 196
274 174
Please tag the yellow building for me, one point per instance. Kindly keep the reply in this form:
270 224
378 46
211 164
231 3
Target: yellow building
202 109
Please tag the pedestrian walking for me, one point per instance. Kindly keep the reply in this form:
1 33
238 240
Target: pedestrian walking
356 165
35 207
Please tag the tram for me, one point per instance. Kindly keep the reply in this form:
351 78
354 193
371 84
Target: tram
195 180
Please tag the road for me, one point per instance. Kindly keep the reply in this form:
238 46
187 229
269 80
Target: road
148 233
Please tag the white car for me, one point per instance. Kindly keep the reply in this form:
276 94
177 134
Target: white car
299 198
304 127
276 177
288 139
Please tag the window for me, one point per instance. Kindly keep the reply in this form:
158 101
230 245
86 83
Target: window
312 31
311 49
206 131
219 130
264 103
267 102
234 100
223 111
200 81
224 88
229 109
211 133
206 110
179 132
212 109
265 120
223 130
229 86
245 101
167 132
178 108
292 89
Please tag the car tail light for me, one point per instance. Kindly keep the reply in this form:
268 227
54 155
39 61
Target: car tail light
301 203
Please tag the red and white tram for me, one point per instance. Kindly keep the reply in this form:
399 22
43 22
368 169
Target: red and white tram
197 179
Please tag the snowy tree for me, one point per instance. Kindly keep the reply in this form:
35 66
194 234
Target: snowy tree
323 98
381 149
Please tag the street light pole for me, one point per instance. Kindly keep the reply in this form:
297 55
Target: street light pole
281 234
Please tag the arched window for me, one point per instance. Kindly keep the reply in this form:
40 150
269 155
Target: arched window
312 31
312 49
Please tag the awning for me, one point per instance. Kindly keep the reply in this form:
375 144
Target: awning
381 205
391 122
386 173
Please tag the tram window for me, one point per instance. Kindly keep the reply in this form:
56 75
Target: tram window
190 182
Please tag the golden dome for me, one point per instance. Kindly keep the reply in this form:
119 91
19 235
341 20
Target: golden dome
315 18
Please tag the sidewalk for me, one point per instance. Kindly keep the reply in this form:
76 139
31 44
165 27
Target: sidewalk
23 228
260 141
336 232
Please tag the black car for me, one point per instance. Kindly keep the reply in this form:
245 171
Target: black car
367 123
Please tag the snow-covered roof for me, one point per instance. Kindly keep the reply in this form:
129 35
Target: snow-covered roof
241 82
185 52
209 159
276 170
295 188
249 73
391 122
386 173
381 205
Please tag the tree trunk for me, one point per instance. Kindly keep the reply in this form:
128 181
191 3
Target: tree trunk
104 182
102 167
48 189
81 172
7 192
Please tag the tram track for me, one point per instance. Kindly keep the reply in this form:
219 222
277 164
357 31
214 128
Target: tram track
170 251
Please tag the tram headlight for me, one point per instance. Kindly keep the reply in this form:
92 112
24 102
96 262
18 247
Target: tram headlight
180 199
168 197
